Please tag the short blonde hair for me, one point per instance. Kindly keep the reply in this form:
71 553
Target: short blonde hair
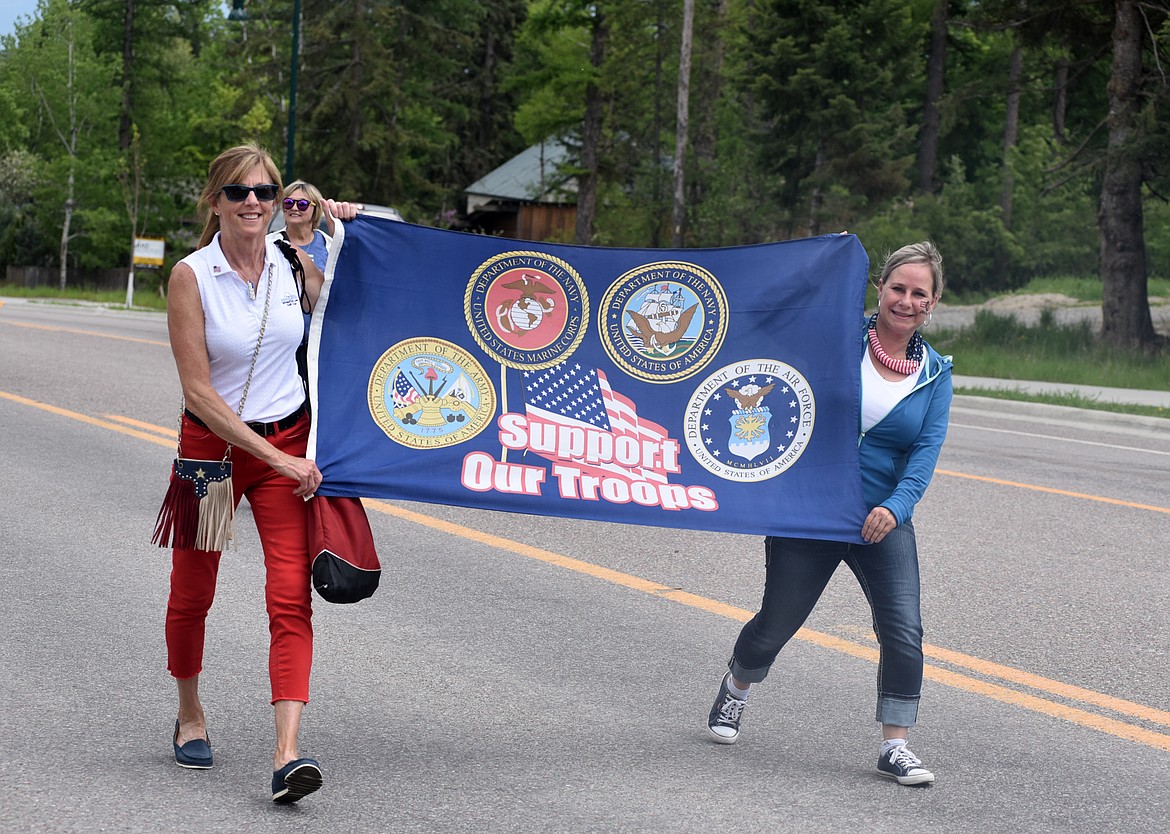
923 252
312 193
229 167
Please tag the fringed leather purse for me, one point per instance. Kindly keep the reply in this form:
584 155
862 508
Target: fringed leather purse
198 512
199 509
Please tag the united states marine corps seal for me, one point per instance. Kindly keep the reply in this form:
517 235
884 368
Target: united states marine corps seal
429 393
663 322
527 310
751 420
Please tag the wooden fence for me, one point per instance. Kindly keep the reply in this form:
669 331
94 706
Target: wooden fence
50 276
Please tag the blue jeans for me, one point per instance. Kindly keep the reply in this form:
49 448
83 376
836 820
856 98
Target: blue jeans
798 571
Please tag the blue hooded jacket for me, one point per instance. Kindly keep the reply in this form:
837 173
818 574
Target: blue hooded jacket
899 452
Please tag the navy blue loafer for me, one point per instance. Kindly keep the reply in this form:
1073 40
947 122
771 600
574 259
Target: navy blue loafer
195 754
296 779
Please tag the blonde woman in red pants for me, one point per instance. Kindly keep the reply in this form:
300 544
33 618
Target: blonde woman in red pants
234 333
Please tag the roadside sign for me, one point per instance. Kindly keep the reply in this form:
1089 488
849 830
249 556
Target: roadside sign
148 251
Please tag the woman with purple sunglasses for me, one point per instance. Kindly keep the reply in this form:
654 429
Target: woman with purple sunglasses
302 205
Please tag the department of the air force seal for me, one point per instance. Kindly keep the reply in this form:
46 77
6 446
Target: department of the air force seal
527 310
751 420
429 393
663 322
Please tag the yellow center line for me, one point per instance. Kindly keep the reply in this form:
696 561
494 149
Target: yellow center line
1064 690
955 680
56 329
85 418
1073 715
151 427
1054 491
946 677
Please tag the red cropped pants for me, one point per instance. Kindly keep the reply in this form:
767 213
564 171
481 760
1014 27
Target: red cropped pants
281 520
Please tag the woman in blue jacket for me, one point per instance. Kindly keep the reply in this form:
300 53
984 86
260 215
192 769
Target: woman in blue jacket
905 407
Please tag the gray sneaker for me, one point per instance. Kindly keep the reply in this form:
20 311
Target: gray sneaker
725 714
904 766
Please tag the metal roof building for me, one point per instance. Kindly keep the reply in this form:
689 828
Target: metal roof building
530 196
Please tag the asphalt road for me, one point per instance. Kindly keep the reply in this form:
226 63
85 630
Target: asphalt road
531 674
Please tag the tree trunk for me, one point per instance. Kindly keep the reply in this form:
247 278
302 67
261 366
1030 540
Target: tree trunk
1125 307
131 182
659 179
124 118
706 123
63 255
1059 99
70 143
931 116
591 136
818 194
1011 132
485 132
679 210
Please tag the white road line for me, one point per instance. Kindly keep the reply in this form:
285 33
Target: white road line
1062 439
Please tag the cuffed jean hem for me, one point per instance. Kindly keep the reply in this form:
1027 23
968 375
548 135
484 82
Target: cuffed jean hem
742 673
898 712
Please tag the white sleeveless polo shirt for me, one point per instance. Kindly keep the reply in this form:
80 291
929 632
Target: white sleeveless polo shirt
232 324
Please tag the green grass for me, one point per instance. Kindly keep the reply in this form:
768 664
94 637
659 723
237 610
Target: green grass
1002 347
1082 289
143 299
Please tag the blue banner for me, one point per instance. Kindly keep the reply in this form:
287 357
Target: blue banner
713 389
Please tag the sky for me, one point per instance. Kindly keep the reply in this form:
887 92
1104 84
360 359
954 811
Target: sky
10 10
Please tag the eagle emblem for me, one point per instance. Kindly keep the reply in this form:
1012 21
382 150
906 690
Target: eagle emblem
750 420
525 312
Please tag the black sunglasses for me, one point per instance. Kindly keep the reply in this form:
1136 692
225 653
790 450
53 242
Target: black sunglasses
238 193
302 205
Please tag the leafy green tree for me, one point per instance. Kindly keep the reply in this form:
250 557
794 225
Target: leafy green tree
389 94
835 83
1120 134
160 48
550 73
20 242
564 93
144 35
484 123
52 62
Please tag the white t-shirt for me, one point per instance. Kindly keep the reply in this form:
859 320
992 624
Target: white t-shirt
878 394
232 325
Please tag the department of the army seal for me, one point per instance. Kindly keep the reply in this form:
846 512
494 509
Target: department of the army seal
429 393
664 321
527 310
751 420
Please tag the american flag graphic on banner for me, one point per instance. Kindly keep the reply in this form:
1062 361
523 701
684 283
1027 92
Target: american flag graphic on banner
571 395
404 393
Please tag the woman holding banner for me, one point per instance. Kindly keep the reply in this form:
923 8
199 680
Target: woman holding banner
234 325
303 208
905 407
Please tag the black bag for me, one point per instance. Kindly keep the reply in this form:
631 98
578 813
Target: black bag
345 563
